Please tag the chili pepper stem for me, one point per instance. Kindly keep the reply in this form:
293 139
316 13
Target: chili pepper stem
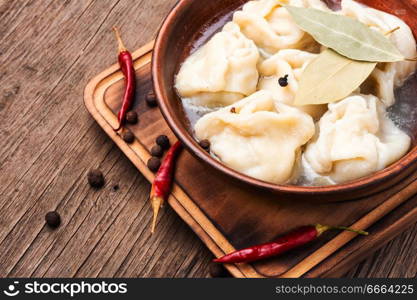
323 228
361 232
156 206
122 47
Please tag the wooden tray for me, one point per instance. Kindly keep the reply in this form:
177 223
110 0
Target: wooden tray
227 216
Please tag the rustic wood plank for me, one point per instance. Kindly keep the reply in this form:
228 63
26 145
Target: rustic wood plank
48 52
65 196
398 257
44 171
64 185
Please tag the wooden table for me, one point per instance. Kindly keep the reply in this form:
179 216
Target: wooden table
48 142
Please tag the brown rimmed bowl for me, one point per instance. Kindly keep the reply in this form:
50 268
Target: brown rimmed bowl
192 22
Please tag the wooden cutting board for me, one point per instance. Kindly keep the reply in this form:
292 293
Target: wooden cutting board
228 216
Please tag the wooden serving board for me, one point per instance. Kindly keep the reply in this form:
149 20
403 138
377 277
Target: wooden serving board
228 216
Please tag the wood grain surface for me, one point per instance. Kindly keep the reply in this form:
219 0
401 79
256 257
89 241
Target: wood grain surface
48 142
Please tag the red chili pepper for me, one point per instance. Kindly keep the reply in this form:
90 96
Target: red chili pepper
126 64
161 187
292 240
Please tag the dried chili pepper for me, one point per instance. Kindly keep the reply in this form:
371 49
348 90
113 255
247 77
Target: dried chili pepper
292 240
126 64
162 183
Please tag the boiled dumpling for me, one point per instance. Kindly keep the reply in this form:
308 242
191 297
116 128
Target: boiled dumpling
221 72
355 138
272 28
259 137
387 76
289 62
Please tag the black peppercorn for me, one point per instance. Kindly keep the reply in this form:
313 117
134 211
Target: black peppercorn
218 271
132 117
128 137
157 151
233 110
283 81
95 178
205 144
163 141
154 163
151 99
53 219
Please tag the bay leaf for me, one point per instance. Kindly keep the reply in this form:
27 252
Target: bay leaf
345 35
331 77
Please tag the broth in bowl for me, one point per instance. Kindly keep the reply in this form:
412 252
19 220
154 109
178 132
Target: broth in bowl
244 89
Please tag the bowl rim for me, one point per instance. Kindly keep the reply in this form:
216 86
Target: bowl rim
191 144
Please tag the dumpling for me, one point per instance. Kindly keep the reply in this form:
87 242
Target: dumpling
221 72
289 62
387 76
260 137
355 138
272 28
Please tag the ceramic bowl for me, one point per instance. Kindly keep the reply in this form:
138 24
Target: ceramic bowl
192 22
